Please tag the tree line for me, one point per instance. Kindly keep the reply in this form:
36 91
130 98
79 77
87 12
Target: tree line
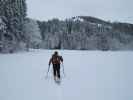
18 32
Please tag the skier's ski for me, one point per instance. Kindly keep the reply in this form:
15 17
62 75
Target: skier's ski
58 81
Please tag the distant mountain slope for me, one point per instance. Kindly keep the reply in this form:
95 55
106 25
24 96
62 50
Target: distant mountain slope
93 20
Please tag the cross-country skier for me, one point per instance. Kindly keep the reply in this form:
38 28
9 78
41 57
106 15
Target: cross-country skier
56 61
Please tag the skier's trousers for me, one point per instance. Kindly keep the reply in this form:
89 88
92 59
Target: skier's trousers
56 70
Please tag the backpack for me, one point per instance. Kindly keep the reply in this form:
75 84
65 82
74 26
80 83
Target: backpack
56 59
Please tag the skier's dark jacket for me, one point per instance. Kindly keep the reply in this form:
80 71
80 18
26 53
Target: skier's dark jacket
55 59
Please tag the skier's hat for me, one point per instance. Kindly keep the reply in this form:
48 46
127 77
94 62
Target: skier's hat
56 52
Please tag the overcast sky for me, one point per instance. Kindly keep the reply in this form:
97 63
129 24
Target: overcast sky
113 10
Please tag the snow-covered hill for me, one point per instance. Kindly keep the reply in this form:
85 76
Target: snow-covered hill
90 75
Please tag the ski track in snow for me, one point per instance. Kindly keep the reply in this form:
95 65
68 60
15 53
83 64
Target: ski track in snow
90 75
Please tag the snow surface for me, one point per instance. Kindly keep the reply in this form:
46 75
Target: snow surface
90 75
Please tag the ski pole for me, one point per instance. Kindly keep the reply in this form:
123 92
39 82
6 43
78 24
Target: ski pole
47 72
63 69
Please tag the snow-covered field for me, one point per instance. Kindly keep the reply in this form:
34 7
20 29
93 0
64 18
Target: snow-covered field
90 75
